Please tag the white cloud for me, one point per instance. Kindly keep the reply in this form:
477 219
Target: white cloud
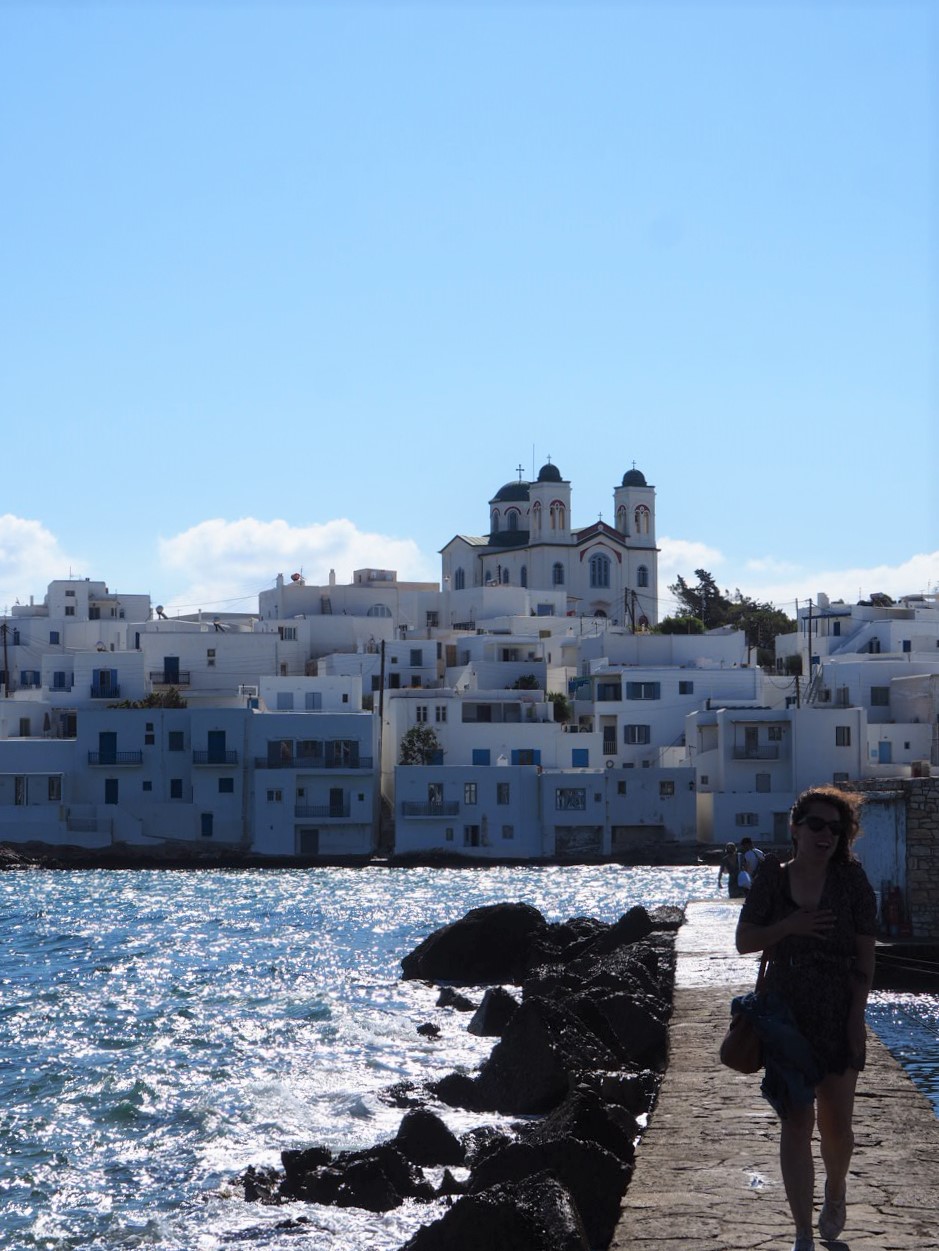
30 558
221 561
683 556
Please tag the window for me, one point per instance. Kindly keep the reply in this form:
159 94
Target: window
511 518
621 788
287 633
557 574
469 792
285 701
210 658
839 777
764 782
570 798
643 690
431 619
69 594
175 741
379 610
147 786
420 713
642 576
685 688
470 835
440 713
416 680
417 658
480 755
435 793
637 734
274 795
580 758
774 733
69 610
842 736
508 832
599 571
448 833
880 696
523 575
747 818
55 790
459 579
24 727
53 636
206 823
176 788
642 518
503 790
906 645
312 701
59 681
226 786
666 788
149 738
494 522
526 756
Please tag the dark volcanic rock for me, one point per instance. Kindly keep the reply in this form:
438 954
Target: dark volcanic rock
423 1138
450 998
377 1179
261 1185
494 1013
489 944
594 1178
457 1090
428 1030
540 1057
585 1116
535 1215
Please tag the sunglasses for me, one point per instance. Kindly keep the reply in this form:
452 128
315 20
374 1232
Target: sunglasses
817 824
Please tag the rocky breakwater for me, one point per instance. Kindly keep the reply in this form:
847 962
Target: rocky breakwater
582 1046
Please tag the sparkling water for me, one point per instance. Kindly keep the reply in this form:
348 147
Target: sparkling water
160 1031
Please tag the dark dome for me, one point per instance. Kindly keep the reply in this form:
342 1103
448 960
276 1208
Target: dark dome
633 477
512 491
549 473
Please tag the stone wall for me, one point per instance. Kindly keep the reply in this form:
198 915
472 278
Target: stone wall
920 797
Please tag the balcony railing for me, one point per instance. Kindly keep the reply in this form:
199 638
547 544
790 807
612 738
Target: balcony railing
320 811
756 753
105 690
215 757
309 763
609 747
159 677
414 808
115 757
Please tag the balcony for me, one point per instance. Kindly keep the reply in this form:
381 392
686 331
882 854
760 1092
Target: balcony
159 677
105 690
310 763
115 758
757 753
215 758
414 808
320 812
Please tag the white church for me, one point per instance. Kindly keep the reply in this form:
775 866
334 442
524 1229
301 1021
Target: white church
603 571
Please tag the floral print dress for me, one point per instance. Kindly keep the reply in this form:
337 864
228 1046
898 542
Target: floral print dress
814 975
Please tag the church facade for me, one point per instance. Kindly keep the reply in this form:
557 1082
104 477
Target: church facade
604 571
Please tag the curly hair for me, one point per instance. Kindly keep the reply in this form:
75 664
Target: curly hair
849 808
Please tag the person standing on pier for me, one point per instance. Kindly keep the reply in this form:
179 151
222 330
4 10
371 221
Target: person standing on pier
730 864
815 918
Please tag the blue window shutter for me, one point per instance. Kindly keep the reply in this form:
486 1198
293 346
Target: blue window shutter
580 758
481 755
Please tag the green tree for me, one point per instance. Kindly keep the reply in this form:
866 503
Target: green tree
527 682
680 625
562 706
760 622
419 746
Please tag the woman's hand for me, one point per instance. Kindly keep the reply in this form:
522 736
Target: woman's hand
811 922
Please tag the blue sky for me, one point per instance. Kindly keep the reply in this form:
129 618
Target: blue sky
298 286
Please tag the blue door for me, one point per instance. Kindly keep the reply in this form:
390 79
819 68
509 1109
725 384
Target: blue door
884 752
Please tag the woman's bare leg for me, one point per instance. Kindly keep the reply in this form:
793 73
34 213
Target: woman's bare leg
835 1096
795 1162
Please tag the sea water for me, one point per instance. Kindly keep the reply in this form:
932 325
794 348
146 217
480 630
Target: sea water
161 1031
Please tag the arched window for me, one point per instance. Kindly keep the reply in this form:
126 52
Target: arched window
642 576
459 579
512 519
599 570
642 519
557 513
621 516
557 574
379 610
494 524
505 577
536 516
523 575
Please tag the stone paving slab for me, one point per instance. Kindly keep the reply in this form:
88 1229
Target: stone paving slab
707 1170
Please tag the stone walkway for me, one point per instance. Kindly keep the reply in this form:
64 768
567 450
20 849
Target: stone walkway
707 1171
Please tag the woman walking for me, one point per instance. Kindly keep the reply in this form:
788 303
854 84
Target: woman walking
815 917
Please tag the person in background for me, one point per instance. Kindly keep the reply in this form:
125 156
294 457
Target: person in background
750 860
730 864
815 917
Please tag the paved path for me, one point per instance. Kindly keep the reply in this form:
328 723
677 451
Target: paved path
707 1171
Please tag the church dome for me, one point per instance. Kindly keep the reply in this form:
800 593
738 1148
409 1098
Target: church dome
549 473
633 477
511 491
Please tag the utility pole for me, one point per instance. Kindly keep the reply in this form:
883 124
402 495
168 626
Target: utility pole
810 642
6 664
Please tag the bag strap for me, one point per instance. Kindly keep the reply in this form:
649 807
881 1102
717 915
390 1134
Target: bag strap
760 977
